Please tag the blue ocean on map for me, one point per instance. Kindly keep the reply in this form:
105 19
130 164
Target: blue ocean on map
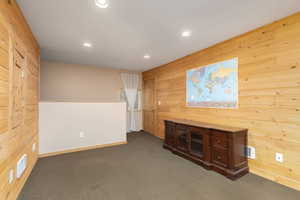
214 86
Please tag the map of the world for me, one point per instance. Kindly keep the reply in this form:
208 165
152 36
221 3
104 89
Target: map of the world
213 86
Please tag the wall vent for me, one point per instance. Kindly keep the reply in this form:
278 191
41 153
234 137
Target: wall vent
250 152
21 166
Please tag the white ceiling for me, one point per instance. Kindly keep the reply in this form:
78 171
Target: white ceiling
123 33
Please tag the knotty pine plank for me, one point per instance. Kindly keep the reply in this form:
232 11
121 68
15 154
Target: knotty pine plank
269 88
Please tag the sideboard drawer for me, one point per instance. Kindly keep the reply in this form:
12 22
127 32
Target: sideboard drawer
220 157
198 130
219 139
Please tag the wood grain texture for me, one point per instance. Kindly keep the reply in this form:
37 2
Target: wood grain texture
269 95
149 106
212 146
13 16
19 80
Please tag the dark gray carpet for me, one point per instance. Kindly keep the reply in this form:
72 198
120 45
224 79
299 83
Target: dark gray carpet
141 170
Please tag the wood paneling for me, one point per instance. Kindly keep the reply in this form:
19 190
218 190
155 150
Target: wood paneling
269 95
19 77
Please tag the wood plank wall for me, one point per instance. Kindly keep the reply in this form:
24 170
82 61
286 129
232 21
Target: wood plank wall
19 80
269 95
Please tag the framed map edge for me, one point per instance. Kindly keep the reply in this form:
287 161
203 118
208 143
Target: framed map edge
237 85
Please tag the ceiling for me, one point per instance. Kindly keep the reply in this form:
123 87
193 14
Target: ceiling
128 29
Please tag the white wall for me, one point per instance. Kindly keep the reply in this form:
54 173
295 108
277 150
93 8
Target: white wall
60 125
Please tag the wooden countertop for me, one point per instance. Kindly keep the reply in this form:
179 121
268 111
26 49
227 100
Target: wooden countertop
208 125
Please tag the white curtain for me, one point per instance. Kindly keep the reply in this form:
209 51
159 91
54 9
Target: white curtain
131 85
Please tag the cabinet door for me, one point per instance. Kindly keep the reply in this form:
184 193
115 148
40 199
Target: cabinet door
31 83
17 89
182 137
169 133
31 97
196 146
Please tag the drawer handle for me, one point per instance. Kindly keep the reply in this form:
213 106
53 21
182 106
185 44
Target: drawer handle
219 157
218 141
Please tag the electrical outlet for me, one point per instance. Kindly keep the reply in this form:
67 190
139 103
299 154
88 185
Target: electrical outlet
279 157
11 176
81 134
33 147
250 152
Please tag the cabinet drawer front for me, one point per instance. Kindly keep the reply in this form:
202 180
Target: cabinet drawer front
220 157
197 130
181 127
219 139
181 130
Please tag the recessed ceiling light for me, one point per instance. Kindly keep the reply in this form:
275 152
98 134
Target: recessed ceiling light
102 3
87 44
147 56
186 33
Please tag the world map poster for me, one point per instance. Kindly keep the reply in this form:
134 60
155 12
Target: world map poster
213 86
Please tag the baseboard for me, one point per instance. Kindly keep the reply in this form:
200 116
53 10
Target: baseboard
80 149
288 182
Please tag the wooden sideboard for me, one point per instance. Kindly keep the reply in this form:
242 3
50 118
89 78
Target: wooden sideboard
214 147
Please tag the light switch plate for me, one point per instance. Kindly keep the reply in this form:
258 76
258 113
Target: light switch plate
81 134
11 176
33 147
